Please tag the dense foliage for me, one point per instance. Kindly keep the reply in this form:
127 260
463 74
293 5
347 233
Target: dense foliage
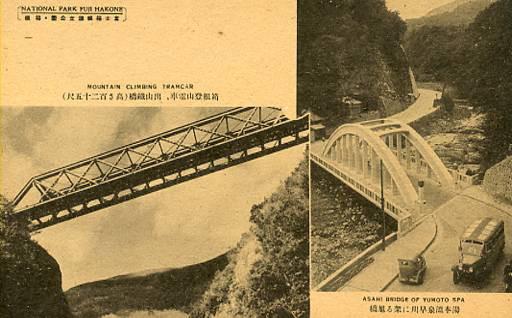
30 279
348 47
490 79
269 277
435 52
477 61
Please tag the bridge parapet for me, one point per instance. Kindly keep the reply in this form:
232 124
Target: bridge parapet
398 211
463 180
360 154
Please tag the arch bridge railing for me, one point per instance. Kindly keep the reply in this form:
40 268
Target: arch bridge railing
398 212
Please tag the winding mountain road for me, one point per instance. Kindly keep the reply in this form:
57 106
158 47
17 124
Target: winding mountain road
423 106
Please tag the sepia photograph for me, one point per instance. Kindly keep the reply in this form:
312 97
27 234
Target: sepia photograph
255 158
154 212
411 140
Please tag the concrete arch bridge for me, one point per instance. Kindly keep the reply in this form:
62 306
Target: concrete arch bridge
356 154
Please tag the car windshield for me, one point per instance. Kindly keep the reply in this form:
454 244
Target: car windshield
472 248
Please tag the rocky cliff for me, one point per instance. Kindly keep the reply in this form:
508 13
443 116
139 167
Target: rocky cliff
30 279
350 48
498 180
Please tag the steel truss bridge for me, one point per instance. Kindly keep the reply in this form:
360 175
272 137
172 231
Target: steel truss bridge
157 162
354 153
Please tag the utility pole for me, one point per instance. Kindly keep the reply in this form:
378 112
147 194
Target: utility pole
382 206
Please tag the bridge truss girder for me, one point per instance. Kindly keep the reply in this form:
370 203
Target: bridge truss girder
151 164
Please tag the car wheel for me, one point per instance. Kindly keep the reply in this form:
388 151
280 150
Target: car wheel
456 277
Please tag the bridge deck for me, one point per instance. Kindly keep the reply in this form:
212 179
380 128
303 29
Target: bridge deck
433 194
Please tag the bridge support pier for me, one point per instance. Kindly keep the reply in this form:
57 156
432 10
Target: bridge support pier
399 147
408 155
394 188
357 156
339 152
352 151
375 167
388 181
364 160
345 151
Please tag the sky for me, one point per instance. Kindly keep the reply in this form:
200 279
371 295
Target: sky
185 224
414 8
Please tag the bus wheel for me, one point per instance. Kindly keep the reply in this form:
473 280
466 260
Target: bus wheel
421 278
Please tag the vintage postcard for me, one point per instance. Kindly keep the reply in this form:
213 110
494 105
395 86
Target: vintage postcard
344 158
153 163
410 156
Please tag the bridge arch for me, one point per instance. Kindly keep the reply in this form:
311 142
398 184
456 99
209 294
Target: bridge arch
359 147
443 175
341 146
401 133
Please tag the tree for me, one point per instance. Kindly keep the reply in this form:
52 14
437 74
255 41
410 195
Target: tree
490 76
347 47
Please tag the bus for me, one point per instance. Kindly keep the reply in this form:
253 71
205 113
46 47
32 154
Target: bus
480 247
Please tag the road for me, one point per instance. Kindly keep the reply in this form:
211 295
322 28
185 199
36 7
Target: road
455 210
424 105
452 218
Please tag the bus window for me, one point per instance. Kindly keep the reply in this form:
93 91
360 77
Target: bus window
472 248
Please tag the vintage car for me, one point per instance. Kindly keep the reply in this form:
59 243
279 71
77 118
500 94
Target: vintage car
412 270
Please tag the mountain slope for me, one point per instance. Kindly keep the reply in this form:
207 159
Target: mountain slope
269 273
349 48
449 7
436 43
459 12
176 288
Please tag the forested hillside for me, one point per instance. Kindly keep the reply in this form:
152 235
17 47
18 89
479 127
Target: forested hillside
269 274
477 61
435 52
456 13
346 48
488 77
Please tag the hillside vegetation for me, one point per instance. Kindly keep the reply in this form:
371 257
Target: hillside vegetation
177 288
456 13
30 279
269 275
265 275
477 61
349 48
